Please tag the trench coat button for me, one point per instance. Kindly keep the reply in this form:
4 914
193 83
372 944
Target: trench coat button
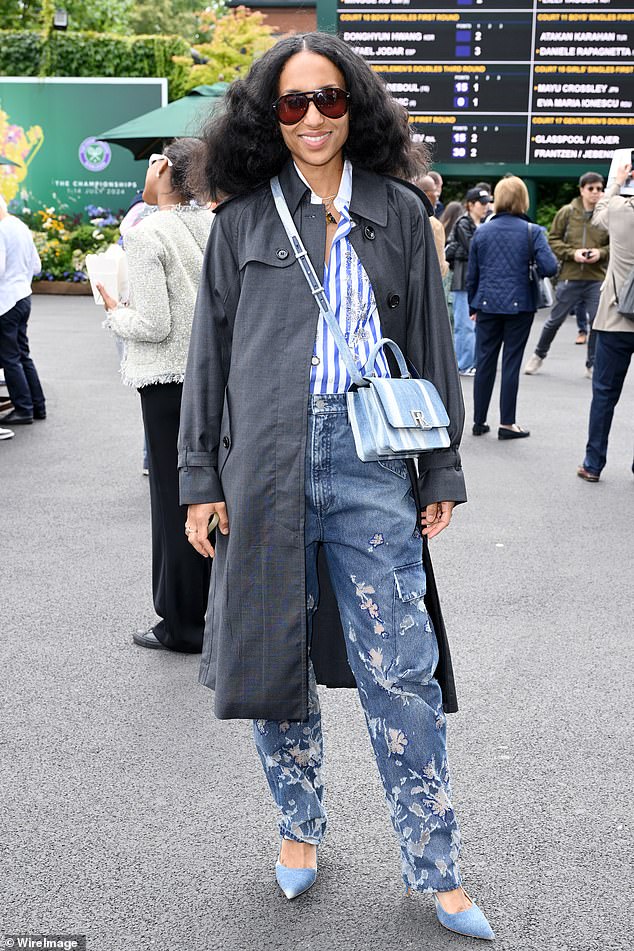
393 301
369 232
282 254
226 442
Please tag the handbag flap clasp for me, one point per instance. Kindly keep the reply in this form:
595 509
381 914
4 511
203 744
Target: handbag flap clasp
409 404
419 419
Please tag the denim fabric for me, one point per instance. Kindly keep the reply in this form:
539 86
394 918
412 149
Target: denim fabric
569 295
581 315
463 331
365 516
613 354
23 382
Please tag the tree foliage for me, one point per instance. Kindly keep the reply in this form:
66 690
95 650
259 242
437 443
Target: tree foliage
94 54
106 16
110 16
164 16
233 39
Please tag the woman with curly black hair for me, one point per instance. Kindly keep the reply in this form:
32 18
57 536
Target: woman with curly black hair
266 448
246 147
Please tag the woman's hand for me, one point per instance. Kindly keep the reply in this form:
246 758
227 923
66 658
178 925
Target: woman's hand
436 517
109 302
197 522
623 172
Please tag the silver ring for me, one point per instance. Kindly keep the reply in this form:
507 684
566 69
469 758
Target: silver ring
189 531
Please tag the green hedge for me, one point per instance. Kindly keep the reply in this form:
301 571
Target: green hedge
66 53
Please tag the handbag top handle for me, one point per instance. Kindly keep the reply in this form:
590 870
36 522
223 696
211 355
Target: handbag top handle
398 354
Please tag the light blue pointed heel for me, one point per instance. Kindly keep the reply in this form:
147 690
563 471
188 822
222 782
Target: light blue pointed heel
294 881
471 922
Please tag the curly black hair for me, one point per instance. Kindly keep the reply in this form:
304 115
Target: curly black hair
245 147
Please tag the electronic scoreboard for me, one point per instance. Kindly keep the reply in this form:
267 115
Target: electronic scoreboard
531 82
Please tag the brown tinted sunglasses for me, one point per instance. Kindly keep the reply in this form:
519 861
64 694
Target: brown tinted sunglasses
331 101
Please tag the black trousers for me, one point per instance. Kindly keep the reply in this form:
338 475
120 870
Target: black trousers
180 576
493 331
23 383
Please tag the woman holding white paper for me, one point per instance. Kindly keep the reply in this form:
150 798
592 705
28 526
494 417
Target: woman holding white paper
164 254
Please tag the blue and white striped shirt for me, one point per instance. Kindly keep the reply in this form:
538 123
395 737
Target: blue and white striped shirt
352 301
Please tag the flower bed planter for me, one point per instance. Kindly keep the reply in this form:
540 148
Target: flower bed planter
63 287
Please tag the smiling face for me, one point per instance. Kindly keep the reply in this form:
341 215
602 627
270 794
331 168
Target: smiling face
315 140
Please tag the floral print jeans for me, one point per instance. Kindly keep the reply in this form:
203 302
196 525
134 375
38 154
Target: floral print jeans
365 516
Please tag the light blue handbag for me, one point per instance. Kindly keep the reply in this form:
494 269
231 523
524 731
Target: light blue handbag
391 418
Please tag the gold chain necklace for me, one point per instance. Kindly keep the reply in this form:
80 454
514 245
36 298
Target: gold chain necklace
327 202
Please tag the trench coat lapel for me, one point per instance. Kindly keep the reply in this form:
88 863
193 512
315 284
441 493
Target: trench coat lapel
368 210
309 219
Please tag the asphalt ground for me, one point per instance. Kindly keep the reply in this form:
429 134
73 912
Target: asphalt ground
129 814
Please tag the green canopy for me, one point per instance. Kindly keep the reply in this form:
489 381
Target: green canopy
186 116
6 161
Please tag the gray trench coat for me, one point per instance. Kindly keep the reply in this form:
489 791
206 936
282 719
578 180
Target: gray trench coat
244 423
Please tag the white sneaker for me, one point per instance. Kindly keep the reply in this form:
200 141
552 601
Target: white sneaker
533 365
589 372
470 372
6 434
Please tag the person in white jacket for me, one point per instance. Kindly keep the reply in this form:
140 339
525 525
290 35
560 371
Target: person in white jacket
19 262
164 255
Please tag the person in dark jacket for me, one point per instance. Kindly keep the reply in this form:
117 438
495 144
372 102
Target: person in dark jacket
457 254
266 445
502 297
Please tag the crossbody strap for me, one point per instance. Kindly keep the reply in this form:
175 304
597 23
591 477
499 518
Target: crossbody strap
316 287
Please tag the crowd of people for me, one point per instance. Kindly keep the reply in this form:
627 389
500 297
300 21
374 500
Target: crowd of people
497 257
322 571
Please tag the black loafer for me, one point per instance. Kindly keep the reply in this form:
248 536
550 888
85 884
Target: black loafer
512 433
148 639
17 419
479 429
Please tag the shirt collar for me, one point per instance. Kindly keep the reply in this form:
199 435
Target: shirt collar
344 193
369 192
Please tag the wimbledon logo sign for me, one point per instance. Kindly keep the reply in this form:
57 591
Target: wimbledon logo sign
94 154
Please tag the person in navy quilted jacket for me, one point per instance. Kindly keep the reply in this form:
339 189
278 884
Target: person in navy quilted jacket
502 300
